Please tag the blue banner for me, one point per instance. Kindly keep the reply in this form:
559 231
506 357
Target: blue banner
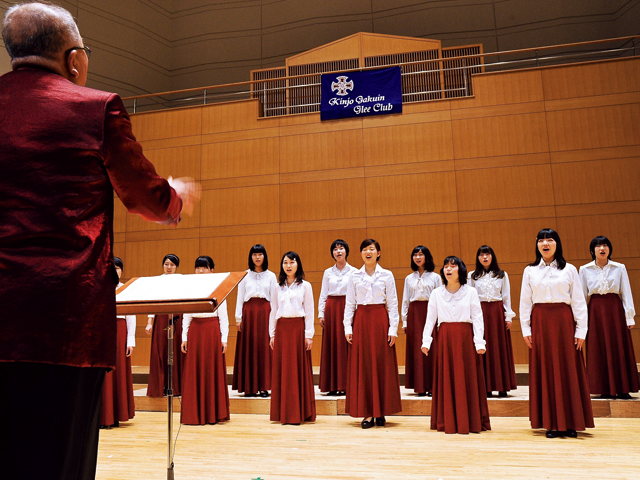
359 94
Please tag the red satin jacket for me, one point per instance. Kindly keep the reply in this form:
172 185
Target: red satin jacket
63 150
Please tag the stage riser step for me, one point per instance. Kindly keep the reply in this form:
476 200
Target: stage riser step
522 379
411 407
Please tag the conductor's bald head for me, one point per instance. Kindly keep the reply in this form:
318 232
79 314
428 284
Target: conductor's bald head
40 34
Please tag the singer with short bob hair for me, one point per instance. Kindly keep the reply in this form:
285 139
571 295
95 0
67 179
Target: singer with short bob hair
611 360
459 397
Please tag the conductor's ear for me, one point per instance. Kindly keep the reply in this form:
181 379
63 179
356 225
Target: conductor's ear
71 65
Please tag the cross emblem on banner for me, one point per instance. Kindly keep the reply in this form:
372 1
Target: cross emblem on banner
342 85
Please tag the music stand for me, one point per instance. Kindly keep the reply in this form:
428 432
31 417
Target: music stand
175 294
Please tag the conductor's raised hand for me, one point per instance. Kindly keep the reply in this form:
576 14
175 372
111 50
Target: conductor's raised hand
189 192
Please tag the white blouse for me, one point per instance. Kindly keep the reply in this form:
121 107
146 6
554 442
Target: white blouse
254 285
291 302
493 289
223 318
548 284
379 288
131 326
418 288
462 306
334 284
612 278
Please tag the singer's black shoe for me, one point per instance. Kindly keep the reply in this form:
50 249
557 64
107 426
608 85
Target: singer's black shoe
380 421
367 423
553 434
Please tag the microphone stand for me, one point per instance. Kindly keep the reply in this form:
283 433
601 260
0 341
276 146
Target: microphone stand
170 398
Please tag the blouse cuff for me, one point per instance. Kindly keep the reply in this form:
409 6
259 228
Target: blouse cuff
393 332
348 330
630 321
508 317
426 343
526 330
480 345
581 332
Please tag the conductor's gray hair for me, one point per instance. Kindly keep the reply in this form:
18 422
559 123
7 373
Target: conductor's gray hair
37 29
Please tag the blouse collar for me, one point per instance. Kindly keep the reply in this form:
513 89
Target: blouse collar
448 296
552 264
337 271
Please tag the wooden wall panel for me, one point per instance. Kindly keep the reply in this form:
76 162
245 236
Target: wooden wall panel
231 253
234 116
321 151
586 128
240 206
322 200
176 162
401 144
622 229
514 241
167 124
504 88
497 136
410 194
510 187
595 182
591 79
144 259
397 243
451 175
247 158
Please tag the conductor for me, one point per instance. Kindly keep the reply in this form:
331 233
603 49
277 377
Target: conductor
64 149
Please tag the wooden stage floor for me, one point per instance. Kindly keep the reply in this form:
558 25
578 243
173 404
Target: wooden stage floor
250 447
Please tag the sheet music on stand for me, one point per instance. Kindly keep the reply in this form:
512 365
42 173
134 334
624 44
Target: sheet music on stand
175 294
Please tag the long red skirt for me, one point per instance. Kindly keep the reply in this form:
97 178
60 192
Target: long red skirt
205 396
558 388
252 365
459 397
117 390
611 361
499 367
335 348
418 370
292 395
373 385
158 360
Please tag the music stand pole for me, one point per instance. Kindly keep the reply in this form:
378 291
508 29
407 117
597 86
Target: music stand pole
170 397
